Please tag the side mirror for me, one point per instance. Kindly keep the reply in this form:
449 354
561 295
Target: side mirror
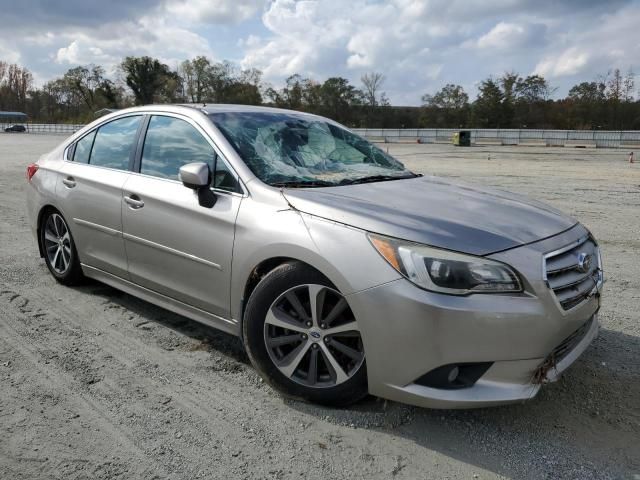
197 176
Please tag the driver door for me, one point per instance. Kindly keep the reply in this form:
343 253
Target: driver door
175 246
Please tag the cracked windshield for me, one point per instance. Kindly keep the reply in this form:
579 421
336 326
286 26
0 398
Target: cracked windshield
299 150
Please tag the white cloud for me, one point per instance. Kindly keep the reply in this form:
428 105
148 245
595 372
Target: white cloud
40 39
149 36
249 42
569 62
9 54
418 45
69 54
501 36
214 11
611 42
332 37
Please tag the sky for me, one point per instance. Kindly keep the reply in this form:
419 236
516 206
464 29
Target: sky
418 45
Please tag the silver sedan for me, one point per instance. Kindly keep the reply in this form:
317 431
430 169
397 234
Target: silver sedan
343 272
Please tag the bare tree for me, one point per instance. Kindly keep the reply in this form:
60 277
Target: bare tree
615 86
19 81
84 81
196 75
3 70
372 83
628 86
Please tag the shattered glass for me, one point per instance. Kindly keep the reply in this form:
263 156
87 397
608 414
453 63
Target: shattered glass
289 149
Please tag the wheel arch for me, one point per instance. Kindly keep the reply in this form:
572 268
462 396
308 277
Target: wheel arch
43 210
267 264
259 271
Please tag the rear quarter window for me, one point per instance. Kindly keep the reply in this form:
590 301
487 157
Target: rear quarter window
82 149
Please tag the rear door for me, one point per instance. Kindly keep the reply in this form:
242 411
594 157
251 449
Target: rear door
174 245
90 192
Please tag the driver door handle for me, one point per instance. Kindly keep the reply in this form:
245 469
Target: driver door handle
134 201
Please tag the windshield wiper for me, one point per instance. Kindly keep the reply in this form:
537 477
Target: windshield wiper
377 178
303 184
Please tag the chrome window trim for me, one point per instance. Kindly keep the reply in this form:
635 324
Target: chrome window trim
65 154
215 190
191 121
94 129
209 140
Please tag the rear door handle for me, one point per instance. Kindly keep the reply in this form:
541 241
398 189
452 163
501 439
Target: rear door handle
134 201
69 182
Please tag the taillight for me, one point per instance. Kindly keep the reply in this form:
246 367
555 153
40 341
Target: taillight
31 171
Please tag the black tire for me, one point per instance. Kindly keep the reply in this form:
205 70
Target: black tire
270 288
72 274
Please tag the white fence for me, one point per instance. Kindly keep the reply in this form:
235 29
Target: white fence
46 128
560 138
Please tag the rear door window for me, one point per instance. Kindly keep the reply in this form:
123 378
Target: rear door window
114 143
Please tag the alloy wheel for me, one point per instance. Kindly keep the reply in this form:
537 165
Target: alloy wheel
57 243
312 336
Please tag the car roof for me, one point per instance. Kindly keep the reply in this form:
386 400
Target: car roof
207 108
224 108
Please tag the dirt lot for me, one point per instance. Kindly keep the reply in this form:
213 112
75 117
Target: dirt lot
97 384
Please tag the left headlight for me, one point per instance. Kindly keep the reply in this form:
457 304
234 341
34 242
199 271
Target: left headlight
444 271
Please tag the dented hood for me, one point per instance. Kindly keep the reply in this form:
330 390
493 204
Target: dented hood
436 212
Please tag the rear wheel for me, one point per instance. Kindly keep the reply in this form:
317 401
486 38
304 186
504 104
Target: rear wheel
303 338
60 253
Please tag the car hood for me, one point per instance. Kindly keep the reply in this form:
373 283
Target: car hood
436 212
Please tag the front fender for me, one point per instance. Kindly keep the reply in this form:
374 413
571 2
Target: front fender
342 253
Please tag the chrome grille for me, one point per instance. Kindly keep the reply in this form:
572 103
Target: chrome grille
573 272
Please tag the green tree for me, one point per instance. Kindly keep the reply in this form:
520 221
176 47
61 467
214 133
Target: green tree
84 81
449 107
150 80
586 104
488 107
196 76
337 95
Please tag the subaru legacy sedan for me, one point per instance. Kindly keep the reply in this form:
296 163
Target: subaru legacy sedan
343 272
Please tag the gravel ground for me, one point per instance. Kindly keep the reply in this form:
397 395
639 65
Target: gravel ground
97 384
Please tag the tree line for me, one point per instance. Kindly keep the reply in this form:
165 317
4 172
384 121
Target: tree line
507 101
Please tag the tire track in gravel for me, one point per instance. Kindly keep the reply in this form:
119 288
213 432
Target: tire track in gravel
62 384
124 339
112 388
193 397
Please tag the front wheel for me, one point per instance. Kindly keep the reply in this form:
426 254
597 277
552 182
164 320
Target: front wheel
303 338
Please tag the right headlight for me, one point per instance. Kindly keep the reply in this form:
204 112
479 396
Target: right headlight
444 271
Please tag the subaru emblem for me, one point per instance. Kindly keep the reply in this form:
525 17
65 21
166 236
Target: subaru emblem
584 262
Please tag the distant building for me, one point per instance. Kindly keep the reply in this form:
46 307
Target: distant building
12 117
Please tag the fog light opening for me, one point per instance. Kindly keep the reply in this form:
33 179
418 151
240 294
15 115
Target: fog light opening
454 375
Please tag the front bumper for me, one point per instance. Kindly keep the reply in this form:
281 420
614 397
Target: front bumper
408 332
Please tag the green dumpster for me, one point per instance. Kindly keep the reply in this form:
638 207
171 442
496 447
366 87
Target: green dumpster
462 138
